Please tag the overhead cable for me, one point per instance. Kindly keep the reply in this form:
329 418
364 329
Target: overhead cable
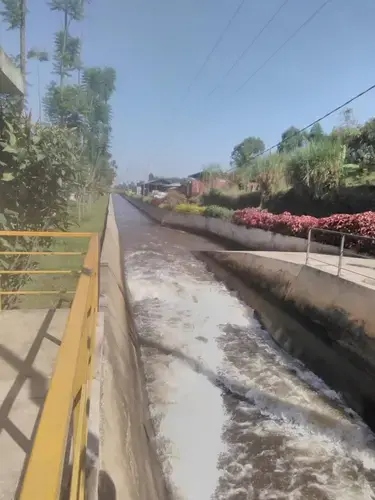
346 103
246 50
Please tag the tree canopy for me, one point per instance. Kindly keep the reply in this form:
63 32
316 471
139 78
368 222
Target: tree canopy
244 152
292 138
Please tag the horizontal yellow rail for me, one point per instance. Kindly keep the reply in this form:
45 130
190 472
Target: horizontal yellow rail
35 272
41 271
44 234
42 253
35 292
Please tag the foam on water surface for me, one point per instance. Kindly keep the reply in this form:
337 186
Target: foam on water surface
236 417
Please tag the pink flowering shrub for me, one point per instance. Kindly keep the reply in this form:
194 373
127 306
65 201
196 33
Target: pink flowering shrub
362 224
285 223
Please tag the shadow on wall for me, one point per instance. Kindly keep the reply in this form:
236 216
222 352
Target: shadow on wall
106 488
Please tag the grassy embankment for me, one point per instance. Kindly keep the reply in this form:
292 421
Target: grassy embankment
93 221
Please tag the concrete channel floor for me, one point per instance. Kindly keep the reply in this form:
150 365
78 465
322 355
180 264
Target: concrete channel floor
29 343
356 269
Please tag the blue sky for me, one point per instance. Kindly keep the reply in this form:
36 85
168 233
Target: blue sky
157 47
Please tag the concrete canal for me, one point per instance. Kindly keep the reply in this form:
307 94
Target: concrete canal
235 416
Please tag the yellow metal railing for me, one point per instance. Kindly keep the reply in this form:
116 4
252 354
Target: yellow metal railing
63 426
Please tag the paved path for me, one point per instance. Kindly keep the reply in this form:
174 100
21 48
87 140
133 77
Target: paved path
29 342
358 270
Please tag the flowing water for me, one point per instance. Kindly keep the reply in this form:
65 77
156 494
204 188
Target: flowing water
235 417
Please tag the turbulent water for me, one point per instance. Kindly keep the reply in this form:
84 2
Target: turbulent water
235 417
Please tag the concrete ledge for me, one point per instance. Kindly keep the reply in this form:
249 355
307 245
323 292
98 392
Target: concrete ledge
11 78
128 465
253 239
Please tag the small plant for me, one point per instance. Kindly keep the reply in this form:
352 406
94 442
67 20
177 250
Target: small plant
218 212
190 209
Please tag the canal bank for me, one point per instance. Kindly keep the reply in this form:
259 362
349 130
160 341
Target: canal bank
234 415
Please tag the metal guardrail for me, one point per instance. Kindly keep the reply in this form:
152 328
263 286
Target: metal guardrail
343 238
63 425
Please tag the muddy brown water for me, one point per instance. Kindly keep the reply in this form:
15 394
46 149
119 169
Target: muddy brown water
235 416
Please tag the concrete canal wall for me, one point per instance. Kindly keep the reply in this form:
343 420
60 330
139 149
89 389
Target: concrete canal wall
128 467
253 239
342 348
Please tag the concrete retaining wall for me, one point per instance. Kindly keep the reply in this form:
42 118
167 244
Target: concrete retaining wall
128 464
342 309
254 239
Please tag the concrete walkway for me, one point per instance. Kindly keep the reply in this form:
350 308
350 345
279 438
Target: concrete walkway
358 270
29 342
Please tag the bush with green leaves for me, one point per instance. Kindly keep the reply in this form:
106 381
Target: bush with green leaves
38 166
269 172
218 212
188 208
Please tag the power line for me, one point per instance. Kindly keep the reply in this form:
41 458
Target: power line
314 122
216 44
303 25
246 50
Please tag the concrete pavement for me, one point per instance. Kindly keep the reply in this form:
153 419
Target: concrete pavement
355 269
29 343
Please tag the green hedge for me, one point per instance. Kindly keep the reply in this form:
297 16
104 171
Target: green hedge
218 212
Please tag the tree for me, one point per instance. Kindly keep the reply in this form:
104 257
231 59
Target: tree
361 146
67 55
243 153
67 47
292 138
14 14
348 119
348 130
316 132
40 56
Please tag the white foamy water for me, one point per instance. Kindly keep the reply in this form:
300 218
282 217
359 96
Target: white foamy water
235 417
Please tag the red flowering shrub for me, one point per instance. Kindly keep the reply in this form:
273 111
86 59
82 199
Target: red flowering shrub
294 225
156 202
285 223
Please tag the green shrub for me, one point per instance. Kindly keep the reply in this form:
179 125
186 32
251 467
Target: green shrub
270 174
218 212
317 169
147 199
189 209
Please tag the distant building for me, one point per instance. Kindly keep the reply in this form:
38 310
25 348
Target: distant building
161 184
199 184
